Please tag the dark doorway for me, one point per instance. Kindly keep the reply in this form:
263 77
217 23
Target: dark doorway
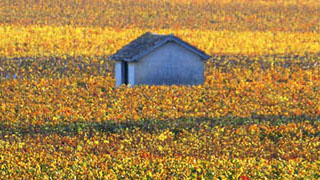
124 72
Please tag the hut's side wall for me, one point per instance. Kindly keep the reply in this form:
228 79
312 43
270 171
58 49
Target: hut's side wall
170 64
118 73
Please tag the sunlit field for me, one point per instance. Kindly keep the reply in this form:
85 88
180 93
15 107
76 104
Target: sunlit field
257 116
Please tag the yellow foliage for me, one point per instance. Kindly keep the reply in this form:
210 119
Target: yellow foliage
252 120
30 41
195 153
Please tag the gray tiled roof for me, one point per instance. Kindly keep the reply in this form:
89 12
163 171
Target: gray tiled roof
147 43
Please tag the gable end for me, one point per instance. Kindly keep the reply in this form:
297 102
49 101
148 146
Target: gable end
147 43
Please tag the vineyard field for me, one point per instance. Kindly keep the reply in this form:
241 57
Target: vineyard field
257 115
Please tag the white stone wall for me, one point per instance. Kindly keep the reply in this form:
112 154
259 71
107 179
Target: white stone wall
118 73
169 64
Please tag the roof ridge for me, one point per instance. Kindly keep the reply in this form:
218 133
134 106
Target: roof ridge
147 42
156 34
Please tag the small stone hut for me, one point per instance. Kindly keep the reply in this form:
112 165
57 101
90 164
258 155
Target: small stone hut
154 59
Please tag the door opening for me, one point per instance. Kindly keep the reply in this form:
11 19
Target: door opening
125 72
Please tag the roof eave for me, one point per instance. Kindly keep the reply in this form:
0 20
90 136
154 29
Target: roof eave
114 58
206 57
